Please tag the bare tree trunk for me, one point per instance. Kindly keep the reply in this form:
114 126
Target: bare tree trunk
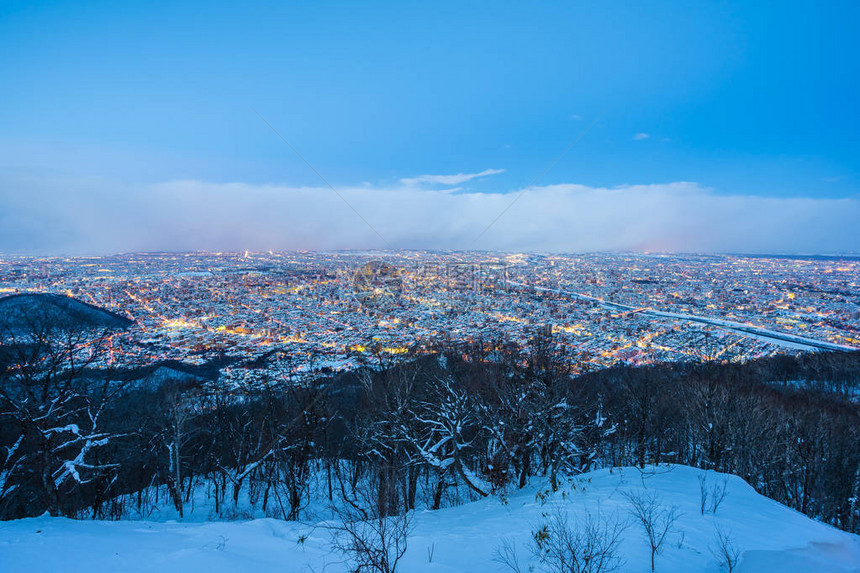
52 505
855 502
412 488
437 493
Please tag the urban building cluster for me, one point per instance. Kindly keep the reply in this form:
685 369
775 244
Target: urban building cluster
329 311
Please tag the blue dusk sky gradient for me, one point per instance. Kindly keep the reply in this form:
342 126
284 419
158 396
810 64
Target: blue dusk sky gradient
716 126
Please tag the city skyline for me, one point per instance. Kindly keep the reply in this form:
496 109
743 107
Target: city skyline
607 309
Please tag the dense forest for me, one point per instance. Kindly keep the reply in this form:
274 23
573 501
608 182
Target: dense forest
436 427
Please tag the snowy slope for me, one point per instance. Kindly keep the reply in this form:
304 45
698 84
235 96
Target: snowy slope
773 538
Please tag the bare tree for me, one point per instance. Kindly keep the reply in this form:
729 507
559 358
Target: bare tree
588 545
711 498
656 520
303 426
368 539
242 441
381 431
554 413
506 555
725 550
55 388
178 431
442 443
719 491
854 504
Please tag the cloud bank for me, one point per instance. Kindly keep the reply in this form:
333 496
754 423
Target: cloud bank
85 216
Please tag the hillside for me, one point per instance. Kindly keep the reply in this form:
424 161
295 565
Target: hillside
19 311
772 538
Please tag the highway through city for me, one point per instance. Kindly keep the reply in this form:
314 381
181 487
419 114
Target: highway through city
776 337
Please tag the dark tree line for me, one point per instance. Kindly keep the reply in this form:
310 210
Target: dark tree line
442 426
797 443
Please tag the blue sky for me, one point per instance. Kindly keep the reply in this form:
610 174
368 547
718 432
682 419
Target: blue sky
754 99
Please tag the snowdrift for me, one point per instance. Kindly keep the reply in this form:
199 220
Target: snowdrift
771 537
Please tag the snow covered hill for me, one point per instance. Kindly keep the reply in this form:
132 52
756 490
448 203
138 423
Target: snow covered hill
771 537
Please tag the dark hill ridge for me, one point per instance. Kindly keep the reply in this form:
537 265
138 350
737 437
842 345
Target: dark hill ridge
19 311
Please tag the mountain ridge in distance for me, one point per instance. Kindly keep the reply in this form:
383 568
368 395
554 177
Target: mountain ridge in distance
18 311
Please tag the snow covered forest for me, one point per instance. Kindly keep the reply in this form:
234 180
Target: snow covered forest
434 429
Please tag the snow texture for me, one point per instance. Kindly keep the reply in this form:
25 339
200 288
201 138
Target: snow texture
772 537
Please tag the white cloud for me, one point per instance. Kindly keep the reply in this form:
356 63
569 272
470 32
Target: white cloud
41 215
448 179
641 136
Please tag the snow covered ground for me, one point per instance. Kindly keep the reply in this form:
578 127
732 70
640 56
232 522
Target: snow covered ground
773 538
